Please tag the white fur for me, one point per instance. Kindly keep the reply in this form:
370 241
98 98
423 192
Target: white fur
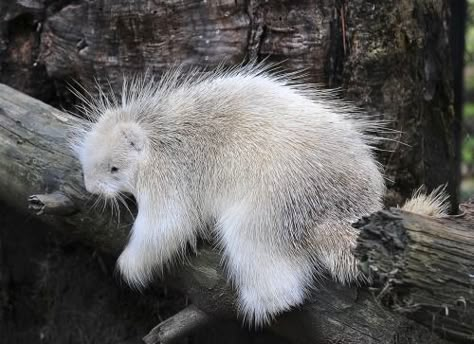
278 170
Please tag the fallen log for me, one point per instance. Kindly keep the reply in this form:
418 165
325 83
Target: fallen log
423 267
36 165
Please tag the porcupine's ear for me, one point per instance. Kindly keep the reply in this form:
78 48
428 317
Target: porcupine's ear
134 135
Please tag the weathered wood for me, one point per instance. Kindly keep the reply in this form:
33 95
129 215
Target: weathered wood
423 267
34 159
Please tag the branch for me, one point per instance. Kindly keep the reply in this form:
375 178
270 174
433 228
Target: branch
55 204
178 326
34 159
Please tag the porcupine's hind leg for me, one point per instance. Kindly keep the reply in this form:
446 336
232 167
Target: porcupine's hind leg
332 244
269 279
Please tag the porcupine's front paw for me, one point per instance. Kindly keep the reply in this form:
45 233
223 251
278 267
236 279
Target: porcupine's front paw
135 267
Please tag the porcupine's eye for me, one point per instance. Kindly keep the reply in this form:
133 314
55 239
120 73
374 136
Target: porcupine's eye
114 169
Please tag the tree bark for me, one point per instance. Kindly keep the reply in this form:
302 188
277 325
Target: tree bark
423 267
35 159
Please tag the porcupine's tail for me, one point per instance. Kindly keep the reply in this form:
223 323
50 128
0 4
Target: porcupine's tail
434 204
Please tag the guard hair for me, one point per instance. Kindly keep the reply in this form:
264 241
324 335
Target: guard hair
434 204
275 169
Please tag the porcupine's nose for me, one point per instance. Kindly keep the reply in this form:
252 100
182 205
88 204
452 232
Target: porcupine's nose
90 186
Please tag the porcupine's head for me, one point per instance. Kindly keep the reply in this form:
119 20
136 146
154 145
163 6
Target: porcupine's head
112 146
110 156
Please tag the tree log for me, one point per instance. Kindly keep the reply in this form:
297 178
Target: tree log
35 160
37 165
423 267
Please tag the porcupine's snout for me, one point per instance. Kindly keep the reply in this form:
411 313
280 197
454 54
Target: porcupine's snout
100 187
90 185
93 185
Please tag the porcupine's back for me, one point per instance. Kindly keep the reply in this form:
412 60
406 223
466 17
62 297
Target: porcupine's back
297 155
300 156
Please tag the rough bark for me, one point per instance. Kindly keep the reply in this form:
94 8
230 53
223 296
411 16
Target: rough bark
391 58
398 63
423 267
35 159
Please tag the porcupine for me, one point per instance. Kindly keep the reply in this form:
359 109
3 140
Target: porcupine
276 170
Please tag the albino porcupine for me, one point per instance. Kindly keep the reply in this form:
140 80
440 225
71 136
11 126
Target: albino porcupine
277 171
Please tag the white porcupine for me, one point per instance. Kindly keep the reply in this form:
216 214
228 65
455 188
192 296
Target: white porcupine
276 170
